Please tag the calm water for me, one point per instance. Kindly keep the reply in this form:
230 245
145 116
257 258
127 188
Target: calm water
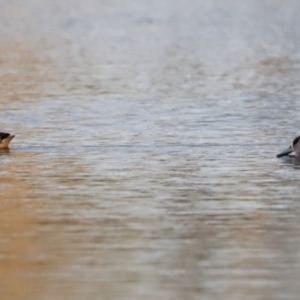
144 160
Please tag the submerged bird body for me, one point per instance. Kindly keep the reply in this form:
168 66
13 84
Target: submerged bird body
5 139
293 150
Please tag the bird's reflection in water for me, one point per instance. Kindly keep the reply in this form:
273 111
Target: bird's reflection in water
295 161
4 151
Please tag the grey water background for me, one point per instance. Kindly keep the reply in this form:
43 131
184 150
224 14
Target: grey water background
144 160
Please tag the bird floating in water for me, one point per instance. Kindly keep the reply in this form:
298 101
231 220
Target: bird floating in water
5 139
293 150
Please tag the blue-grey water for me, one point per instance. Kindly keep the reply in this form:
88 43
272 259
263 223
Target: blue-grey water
144 164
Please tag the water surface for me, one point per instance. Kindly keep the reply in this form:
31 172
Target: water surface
144 160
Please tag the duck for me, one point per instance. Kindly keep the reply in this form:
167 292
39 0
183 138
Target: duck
293 150
5 139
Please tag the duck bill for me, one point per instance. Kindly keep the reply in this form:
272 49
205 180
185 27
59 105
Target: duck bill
285 152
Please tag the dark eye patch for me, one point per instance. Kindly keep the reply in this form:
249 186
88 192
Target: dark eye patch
296 140
3 135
